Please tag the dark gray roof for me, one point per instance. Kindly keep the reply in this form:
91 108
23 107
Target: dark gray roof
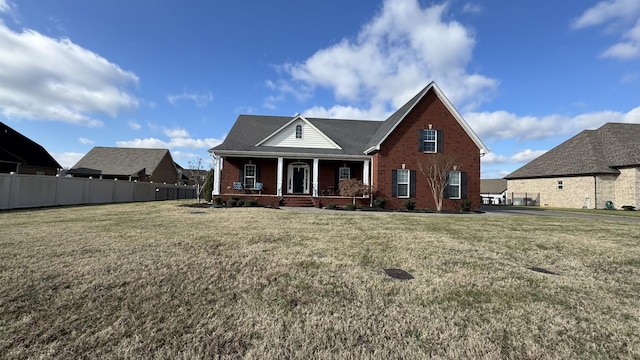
598 151
493 186
351 135
394 119
119 161
18 149
355 137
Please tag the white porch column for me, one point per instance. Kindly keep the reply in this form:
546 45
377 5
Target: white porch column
365 172
280 176
217 171
315 177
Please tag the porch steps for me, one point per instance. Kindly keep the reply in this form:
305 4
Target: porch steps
297 201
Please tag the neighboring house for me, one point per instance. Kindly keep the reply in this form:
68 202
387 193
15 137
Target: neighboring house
302 157
191 176
493 191
587 171
132 164
20 155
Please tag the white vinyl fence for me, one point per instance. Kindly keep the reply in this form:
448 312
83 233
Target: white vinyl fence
26 191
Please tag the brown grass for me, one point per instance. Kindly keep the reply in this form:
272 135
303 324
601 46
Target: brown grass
156 280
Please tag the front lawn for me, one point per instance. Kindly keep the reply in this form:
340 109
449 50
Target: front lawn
160 280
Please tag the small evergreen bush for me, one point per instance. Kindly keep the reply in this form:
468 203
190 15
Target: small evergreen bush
240 202
380 202
331 206
232 203
251 202
466 205
410 204
351 207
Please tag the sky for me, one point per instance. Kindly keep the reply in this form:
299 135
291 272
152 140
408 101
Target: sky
526 75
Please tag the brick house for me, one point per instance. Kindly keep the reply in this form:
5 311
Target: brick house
298 160
586 171
130 164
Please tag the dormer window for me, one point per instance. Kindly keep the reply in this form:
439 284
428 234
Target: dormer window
298 131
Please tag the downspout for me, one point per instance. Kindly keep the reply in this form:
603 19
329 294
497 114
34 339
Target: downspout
595 191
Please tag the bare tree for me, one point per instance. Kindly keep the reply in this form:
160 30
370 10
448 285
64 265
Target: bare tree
436 168
353 188
194 169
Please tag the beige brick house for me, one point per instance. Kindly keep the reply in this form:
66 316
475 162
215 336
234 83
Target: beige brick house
590 170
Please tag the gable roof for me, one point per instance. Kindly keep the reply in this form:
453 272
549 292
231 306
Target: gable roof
18 149
493 186
396 118
303 119
598 151
116 161
354 137
248 130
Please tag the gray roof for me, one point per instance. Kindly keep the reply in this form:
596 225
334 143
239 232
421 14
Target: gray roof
355 137
351 135
493 186
120 161
18 149
599 151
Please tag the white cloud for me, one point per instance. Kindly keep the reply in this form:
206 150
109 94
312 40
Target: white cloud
471 8
72 85
606 11
173 133
134 125
526 155
493 158
67 159
178 142
200 99
619 15
397 53
86 141
629 48
9 8
504 125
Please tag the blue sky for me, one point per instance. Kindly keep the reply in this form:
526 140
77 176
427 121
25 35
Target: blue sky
526 75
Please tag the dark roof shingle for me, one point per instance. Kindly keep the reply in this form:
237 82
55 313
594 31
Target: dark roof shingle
120 161
598 151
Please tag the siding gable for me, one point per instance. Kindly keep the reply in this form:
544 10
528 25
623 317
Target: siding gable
311 136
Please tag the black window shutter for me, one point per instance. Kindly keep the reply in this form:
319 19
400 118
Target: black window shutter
440 141
394 183
336 180
445 194
463 185
412 183
257 173
241 174
421 140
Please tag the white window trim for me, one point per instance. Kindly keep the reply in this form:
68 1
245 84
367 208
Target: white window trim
299 126
244 181
408 183
459 185
340 173
434 141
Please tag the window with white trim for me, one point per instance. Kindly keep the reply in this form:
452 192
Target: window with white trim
454 185
430 139
344 173
249 176
403 183
298 131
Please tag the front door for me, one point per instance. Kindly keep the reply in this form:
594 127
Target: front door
298 178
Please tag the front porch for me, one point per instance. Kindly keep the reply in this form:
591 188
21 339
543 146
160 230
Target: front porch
273 181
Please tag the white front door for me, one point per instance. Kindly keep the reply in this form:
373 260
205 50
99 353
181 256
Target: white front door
298 178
